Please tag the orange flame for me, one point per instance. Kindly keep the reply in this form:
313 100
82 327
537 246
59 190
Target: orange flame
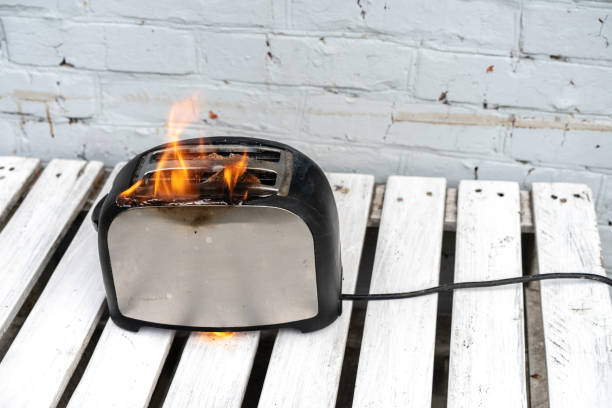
221 334
173 179
181 115
233 171
130 190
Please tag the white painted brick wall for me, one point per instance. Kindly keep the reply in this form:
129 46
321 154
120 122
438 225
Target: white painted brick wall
590 25
498 89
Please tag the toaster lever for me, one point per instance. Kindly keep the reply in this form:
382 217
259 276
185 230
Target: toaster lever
95 214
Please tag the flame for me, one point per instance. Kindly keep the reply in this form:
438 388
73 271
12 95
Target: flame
130 190
181 115
173 179
214 336
221 334
233 171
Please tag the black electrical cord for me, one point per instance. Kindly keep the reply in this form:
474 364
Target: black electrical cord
477 284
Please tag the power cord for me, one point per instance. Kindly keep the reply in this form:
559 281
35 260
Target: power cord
477 284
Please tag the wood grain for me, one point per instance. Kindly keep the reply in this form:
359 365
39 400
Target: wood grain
397 349
33 232
52 339
304 369
576 315
16 173
487 355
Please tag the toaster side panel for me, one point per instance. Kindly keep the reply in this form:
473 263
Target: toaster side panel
213 266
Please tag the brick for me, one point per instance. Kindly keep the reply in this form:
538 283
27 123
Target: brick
326 15
446 128
329 62
502 170
578 32
47 94
98 46
53 42
477 25
33 41
367 64
240 57
565 147
244 107
255 13
425 164
150 49
546 85
345 118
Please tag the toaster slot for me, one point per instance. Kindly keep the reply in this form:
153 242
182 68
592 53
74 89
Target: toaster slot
200 173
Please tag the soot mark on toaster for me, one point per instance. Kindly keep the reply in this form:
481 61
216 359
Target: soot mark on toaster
200 220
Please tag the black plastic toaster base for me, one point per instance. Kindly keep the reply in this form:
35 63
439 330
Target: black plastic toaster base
308 196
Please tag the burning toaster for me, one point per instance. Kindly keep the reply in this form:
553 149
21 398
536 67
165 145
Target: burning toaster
220 234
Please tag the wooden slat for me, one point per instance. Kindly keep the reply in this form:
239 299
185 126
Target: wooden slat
213 371
124 368
487 355
29 238
45 352
304 369
15 176
397 349
577 316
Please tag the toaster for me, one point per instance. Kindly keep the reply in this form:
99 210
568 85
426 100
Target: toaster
220 234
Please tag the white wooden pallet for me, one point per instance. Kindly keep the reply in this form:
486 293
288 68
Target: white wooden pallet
487 347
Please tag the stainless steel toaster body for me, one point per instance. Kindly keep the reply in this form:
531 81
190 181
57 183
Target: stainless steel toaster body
272 261
213 266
